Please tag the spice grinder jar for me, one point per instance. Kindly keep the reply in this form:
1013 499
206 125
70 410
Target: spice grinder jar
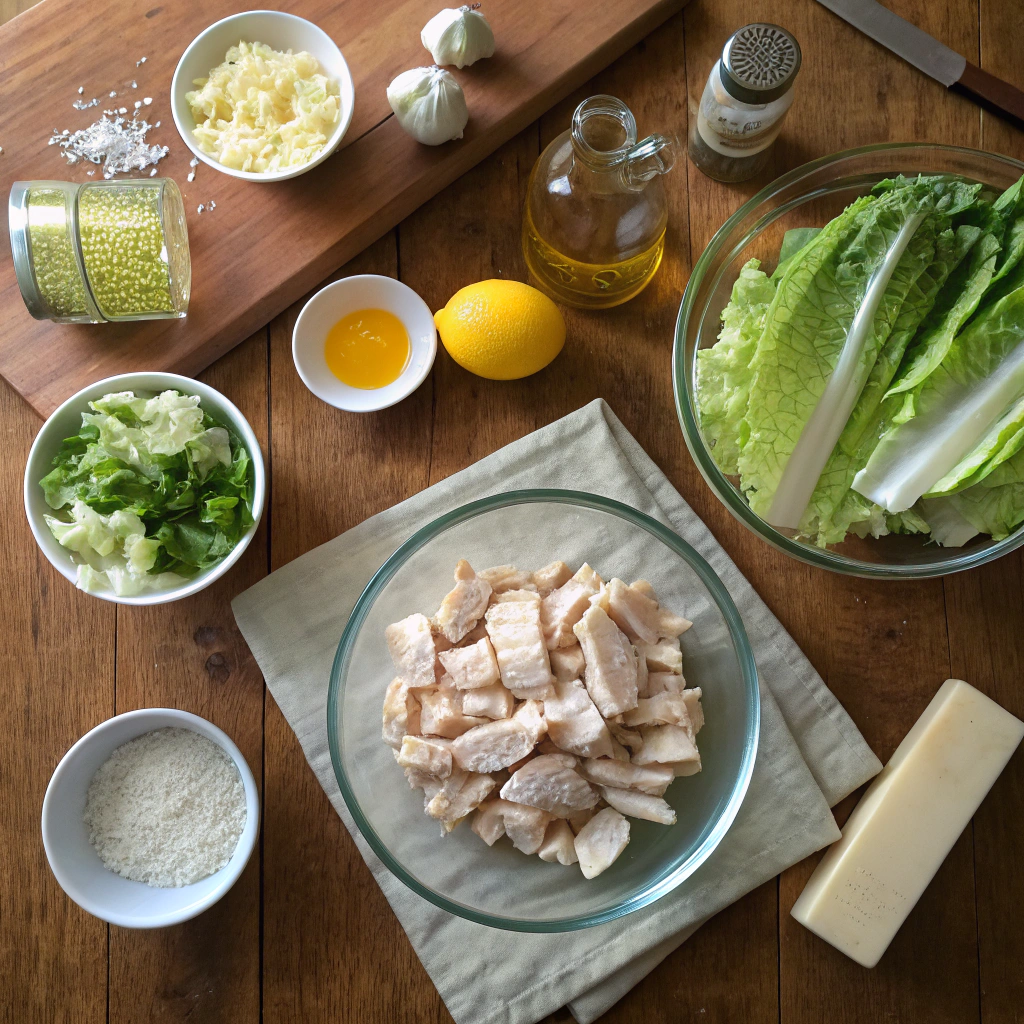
100 251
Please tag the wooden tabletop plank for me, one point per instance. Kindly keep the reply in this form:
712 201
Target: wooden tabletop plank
57 680
190 655
985 610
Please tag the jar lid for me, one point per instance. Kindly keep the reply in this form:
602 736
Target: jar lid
759 63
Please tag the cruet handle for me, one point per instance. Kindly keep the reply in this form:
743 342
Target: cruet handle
648 158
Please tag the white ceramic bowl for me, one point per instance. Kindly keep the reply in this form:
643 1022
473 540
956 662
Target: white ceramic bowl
74 861
282 32
67 420
328 306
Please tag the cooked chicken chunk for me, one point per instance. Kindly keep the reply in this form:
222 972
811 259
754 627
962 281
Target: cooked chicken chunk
642 673
463 605
411 645
693 707
396 713
559 844
668 744
564 607
600 841
530 715
548 782
494 745
653 779
635 614
506 577
513 625
574 723
619 752
579 818
471 667
610 673
659 682
628 738
489 821
525 826
567 663
488 702
453 803
665 708
664 656
440 716
640 616
427 755
639 805
419 780
551 577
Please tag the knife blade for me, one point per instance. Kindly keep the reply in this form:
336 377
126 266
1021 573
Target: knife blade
927 54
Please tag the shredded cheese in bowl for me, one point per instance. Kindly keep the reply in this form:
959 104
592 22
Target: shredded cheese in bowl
264 110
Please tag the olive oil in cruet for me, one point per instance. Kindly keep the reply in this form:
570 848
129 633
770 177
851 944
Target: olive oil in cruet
595 216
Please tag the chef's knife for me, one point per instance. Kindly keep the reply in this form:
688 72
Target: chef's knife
930 56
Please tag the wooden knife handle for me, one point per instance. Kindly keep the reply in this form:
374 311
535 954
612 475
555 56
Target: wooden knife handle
993 93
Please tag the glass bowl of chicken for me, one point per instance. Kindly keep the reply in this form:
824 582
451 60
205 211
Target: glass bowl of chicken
849 361
543 712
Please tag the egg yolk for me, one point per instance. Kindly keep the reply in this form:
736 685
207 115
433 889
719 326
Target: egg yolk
367 349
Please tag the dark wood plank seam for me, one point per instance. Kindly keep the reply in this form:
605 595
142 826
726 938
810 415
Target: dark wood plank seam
268 511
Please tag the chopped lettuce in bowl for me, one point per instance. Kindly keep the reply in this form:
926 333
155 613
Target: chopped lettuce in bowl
151 494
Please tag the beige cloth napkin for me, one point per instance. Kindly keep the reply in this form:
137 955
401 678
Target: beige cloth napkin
810 754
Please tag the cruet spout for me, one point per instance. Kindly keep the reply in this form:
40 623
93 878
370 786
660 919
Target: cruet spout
648 158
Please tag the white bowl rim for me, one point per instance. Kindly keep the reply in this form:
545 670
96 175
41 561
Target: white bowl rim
246 841
345 84
412 378
68 567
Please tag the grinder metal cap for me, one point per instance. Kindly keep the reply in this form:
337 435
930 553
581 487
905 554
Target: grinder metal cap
759 63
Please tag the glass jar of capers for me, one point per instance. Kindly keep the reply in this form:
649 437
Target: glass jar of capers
100 251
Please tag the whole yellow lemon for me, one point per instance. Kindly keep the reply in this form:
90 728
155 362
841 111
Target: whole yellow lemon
501 330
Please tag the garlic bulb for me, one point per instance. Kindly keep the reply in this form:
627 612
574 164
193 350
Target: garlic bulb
429 105
459 36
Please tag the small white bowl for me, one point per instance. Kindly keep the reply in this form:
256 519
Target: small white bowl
328 306
73 859
67 420
282 32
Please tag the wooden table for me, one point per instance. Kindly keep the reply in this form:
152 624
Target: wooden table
305 936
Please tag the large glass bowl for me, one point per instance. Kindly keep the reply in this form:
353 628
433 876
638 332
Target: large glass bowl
810 196
499 886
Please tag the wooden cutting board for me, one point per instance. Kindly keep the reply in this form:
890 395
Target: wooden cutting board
265 245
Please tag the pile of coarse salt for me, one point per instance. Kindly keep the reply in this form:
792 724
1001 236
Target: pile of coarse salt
166 808
118 144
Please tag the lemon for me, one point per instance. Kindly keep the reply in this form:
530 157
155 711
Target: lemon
501 330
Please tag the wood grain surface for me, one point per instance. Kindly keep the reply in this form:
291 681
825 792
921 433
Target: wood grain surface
306 937
266 243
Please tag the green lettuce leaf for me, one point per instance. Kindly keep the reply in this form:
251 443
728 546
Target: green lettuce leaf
723 371
810 320
954 409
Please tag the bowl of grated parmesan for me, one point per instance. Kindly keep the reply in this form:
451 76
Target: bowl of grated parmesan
150 818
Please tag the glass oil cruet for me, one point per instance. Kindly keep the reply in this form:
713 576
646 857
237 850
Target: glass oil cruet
595 217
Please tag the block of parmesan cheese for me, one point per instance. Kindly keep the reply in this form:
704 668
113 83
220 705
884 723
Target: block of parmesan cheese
907 822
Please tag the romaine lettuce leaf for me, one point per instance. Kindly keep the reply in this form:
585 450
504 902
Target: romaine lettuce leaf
806 331
954 409
723 371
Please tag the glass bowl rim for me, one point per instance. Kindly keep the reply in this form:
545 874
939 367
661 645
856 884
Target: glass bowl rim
713 476
741 646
